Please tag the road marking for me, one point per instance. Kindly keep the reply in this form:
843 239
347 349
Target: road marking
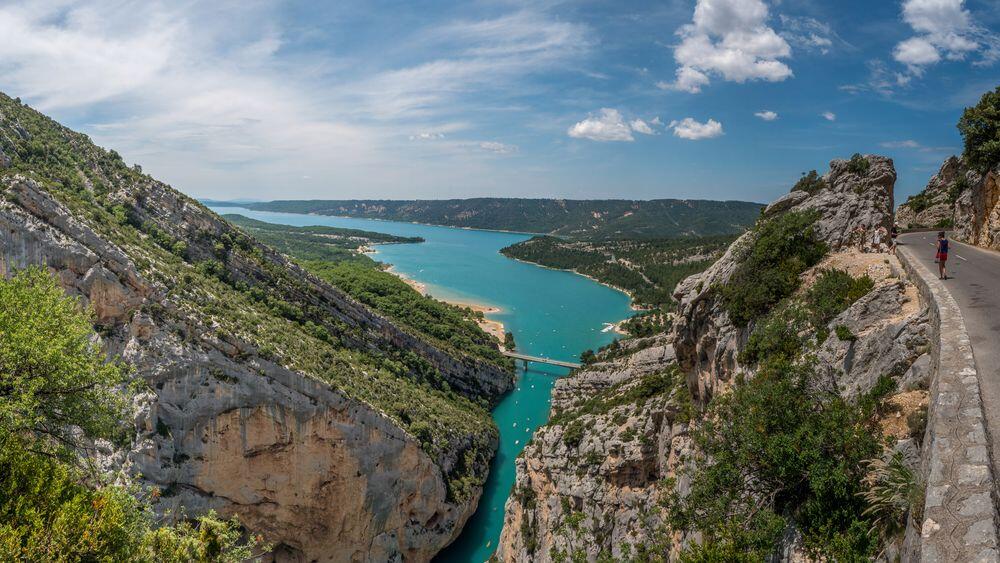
956 254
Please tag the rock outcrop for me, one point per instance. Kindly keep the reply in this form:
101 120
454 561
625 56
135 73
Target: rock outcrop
589 483
310 452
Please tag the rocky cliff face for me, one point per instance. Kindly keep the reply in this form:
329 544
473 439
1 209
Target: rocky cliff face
958 198
335 434
589 484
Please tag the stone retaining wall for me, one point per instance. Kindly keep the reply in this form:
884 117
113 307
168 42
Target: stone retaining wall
959 519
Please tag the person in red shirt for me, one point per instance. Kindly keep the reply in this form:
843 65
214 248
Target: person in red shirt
942 255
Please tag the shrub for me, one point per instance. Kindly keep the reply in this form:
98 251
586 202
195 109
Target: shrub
892 492
980 129
832 293
844 333
946 223
919 202
782 248
956 188
858 164
810 183
776 337
776 446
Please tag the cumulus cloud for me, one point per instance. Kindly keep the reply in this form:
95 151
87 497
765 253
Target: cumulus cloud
692 130
609 125
728 39
944 30
767 115
829 116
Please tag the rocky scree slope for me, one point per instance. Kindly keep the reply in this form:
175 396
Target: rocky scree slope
591 484
960 198
271 395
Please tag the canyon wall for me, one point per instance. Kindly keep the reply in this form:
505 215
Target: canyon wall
590 484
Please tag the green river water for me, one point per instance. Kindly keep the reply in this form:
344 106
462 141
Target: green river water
552 314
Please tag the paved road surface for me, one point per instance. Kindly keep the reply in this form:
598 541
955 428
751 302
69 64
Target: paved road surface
974 282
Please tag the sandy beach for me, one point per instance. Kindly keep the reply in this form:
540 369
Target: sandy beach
489 326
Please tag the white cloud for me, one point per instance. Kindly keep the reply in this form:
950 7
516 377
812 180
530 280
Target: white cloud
767 115
730 39
640 126
217 106
498 148
829 116
608 125
944 29
809 34
690 129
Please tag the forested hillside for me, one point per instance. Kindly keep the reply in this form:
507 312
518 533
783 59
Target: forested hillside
647 269
601 219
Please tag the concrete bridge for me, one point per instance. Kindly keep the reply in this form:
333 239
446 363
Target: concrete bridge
526 358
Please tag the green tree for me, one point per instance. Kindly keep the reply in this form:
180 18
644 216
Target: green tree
980 128
53 377
55 383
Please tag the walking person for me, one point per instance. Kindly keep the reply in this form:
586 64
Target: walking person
942 255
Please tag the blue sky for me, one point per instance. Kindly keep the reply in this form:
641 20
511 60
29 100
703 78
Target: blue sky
710 99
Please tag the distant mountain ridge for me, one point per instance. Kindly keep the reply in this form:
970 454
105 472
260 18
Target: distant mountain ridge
592 219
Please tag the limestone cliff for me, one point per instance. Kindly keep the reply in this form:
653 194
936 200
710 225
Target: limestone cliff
271 395
958 198
590 483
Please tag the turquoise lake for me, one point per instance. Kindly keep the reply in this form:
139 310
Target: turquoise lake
553 314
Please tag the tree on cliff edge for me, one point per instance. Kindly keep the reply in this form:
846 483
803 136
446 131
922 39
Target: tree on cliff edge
980 127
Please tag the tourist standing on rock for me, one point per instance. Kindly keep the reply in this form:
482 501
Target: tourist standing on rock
942 255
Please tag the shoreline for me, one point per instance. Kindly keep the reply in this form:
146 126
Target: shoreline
492 327
631 298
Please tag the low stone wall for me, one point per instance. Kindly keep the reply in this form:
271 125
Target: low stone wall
959 520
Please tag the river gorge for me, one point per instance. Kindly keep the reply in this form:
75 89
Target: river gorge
553 314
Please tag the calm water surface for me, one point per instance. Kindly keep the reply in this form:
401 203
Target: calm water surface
551 313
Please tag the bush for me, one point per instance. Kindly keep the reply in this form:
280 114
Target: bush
832 293
892 493
772 448
810 183
845 334
919 202
980 129
782 248
956 188
946 223
858 164
54 380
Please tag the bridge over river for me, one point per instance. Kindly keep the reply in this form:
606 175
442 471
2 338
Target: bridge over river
526 358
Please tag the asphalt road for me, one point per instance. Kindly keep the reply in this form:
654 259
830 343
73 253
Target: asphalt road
974 282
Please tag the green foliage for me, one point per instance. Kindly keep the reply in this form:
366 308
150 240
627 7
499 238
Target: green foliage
980 129
776 337
919 202
448 326
243 290
892 492
832 293
648 269
330 244
508 341
782 248
946 223
53 376
844 333
858 164
956 188
47 514
916 423
772 448
810 183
